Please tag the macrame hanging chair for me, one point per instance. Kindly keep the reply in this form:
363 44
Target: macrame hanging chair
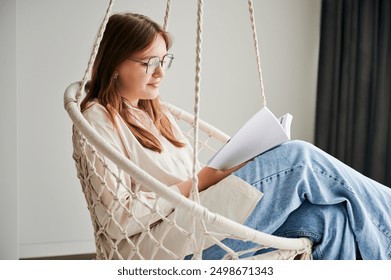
130 237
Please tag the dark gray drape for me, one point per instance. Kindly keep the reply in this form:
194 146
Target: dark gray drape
353 117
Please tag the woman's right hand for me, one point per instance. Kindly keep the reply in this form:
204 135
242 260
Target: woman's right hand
207 177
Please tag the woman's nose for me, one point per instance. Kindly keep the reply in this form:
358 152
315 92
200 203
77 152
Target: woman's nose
159 73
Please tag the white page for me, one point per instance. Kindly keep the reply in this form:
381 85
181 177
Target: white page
259 134
286 121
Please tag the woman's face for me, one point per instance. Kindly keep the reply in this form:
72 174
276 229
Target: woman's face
133 81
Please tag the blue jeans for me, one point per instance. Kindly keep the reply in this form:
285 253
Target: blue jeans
310 193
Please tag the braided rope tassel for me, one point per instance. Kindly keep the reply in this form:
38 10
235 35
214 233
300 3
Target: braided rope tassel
91 61
253 27
167 15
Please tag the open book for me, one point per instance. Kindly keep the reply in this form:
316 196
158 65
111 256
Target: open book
259 134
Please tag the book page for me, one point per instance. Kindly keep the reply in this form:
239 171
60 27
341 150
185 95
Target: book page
286 121
259 134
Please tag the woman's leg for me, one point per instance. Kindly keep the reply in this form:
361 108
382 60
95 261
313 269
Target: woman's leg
327 227
297 171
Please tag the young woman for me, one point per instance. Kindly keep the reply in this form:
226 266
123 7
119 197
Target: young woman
293 190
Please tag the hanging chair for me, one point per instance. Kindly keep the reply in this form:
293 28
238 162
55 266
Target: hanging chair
119 232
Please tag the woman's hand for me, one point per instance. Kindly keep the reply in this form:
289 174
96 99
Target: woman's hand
207 177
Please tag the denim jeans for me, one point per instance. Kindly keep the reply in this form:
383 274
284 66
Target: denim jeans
310 193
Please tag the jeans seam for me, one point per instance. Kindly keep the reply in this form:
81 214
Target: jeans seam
301 233
328 176
385 234
320 172
277 174
376 224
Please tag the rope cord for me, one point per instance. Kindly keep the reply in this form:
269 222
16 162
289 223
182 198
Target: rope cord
258 58
167 15
197 97
197 254
91 61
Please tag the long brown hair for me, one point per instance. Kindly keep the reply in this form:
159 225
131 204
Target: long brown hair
124 35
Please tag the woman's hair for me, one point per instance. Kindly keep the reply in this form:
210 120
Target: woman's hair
126 34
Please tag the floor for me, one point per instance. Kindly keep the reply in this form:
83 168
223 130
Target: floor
68 257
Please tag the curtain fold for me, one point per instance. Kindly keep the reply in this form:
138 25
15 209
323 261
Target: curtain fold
353 114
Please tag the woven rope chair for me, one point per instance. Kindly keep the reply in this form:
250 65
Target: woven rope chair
102 171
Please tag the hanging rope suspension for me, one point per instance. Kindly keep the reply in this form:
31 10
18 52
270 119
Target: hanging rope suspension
197 96
167 15
194 189
258 58
94 52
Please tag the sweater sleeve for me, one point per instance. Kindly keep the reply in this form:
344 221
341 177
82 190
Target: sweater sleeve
120 206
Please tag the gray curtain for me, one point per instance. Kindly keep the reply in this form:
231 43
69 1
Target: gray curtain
353 117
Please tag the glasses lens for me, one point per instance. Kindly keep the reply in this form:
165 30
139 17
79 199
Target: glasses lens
167 61
153 64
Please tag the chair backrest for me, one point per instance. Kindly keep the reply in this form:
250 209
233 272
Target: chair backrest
112 187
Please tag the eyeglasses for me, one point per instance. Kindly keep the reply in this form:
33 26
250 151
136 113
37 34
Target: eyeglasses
154 62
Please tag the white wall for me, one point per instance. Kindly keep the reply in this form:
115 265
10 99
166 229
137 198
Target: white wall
8 138
54 39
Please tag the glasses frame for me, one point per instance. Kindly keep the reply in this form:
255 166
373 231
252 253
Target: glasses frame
148 64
